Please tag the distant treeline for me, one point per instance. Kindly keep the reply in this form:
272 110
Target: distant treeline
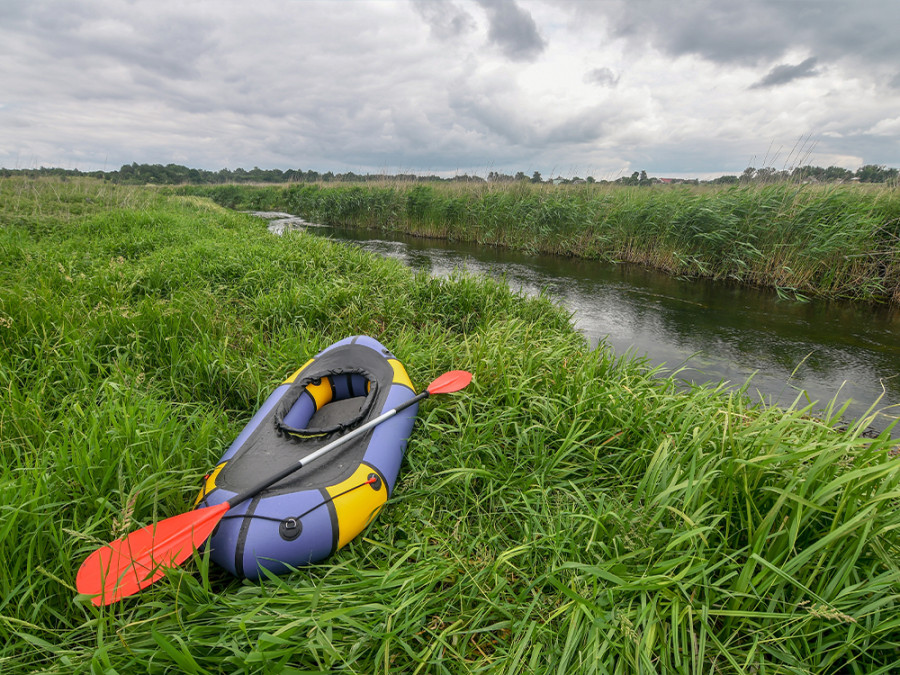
176 174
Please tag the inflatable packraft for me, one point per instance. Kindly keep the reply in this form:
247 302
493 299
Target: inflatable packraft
311 513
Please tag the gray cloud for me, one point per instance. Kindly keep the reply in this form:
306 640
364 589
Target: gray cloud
497 116
583 127
759 32
513 30
168 42
446 19
605 77
782 74
725 32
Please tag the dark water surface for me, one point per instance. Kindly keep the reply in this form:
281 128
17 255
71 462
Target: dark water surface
714 331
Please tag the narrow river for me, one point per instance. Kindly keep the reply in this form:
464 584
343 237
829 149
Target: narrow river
709 331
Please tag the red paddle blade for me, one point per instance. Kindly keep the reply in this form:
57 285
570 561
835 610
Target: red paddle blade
125 566
449 382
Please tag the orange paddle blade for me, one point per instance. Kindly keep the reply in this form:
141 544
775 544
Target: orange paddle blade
449 382
125 566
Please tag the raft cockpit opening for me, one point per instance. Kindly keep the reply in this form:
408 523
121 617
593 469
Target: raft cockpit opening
327 404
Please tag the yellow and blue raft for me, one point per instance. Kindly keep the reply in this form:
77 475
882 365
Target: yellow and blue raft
310 514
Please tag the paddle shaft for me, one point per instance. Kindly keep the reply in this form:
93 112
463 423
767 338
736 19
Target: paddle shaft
346 438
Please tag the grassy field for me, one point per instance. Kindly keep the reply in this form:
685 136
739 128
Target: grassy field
569 512
832 241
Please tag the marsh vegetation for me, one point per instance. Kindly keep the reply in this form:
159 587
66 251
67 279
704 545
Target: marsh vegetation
571 512
830 241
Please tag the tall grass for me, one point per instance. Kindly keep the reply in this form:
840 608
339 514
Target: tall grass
570 512
834 241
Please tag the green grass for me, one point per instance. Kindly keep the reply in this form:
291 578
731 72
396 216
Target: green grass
570 511
832 241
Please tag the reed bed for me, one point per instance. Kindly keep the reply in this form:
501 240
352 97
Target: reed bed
570 512
831 241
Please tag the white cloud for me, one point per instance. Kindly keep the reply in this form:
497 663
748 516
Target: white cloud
886 127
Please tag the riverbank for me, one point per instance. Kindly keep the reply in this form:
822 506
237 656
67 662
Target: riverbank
803 240
569 511
708 330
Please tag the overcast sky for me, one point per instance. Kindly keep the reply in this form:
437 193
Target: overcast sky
564 87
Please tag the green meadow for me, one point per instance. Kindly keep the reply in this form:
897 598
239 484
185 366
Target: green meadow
837 241
571 511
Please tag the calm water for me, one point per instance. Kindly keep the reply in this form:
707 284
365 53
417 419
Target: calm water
713 331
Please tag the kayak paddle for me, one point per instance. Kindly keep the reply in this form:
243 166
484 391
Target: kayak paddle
125 566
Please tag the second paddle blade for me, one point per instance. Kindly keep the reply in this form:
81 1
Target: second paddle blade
125 566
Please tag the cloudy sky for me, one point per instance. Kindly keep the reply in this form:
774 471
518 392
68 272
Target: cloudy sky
563 87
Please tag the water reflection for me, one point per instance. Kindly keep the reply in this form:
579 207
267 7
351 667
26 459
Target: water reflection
715 331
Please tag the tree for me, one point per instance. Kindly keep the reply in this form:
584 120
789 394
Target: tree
837 173
725 180
536 177
633 179
875 173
